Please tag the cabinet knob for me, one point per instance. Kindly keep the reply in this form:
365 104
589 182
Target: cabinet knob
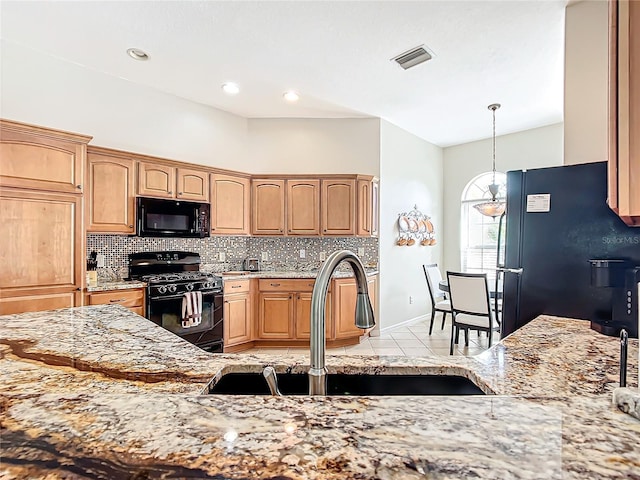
275 284
280 230
169 192
179 193
79 187
130 226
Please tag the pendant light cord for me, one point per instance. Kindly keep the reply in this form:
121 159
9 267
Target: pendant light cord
494 143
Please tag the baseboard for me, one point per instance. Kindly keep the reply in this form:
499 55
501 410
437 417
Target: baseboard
406 322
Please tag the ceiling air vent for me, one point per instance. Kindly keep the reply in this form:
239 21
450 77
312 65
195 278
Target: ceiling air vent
413 57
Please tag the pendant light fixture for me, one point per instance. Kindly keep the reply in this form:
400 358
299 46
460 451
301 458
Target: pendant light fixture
493 208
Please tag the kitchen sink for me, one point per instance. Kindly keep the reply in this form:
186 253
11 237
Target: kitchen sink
346 384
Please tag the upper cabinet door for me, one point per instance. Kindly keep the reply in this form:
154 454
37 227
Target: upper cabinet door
624 110
41 246
267 201
111 200
375 208
303 207
230 204
156 180
338 207
367 208
41 158
193 185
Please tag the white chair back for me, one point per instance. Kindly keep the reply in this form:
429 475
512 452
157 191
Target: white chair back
469 292
432 272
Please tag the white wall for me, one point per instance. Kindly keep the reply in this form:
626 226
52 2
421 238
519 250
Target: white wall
535 148
411 173
43 90
585 82
316 145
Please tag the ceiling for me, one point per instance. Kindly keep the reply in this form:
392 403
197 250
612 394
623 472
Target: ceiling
336 54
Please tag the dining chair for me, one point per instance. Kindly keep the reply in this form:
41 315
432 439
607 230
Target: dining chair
438 301
470 306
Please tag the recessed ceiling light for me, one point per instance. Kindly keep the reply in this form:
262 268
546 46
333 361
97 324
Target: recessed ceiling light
137 54
291 96
231 88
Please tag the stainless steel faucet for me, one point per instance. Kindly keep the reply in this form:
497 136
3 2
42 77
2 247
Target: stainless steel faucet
364 314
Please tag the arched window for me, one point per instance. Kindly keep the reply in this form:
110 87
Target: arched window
479 233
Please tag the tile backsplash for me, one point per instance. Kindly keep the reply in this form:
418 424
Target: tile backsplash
283 253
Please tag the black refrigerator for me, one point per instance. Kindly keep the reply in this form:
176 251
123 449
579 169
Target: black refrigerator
557 223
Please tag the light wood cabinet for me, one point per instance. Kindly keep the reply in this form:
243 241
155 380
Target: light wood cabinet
275 316
132 298
303 207
230 205
110 206
165 181
42 241
624 110
368 205
303 316
192 185
38 302
338 207
287 309
41 158
41 249
267 207
344 305
237 313
156 180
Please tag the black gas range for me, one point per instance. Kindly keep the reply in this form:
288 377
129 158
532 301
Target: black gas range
173 278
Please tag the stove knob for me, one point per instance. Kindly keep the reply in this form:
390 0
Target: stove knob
189 287
172 288
206 285
162 289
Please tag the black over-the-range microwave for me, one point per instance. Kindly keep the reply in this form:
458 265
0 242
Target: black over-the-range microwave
172 218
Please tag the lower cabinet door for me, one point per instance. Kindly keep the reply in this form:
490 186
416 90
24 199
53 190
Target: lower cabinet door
303 316
275 316
237 319
344 308
37 303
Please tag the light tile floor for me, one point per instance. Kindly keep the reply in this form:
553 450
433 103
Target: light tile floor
407 340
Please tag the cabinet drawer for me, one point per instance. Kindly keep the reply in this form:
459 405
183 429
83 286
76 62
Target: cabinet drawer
126 298
236 286
286 284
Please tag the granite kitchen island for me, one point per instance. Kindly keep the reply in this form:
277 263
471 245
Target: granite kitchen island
99 392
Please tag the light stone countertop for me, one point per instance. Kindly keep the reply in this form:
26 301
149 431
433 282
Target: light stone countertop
99 392
116 285
288 274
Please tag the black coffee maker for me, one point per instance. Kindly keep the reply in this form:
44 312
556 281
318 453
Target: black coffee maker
622 276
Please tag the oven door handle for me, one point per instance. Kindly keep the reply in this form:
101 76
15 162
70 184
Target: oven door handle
181 295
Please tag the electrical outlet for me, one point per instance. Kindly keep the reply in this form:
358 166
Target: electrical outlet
410 300
360 251
265 257
101 260
222 256
303 253
323 256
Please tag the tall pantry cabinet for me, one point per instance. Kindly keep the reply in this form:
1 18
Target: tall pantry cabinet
42 245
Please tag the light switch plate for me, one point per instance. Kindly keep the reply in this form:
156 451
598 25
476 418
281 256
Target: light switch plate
360 251
323 256
222 256
101 260
303 253
265 257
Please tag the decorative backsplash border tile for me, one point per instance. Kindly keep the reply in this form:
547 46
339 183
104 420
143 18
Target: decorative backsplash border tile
283 253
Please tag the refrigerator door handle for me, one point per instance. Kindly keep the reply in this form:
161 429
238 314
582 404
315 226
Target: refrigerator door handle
517 271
